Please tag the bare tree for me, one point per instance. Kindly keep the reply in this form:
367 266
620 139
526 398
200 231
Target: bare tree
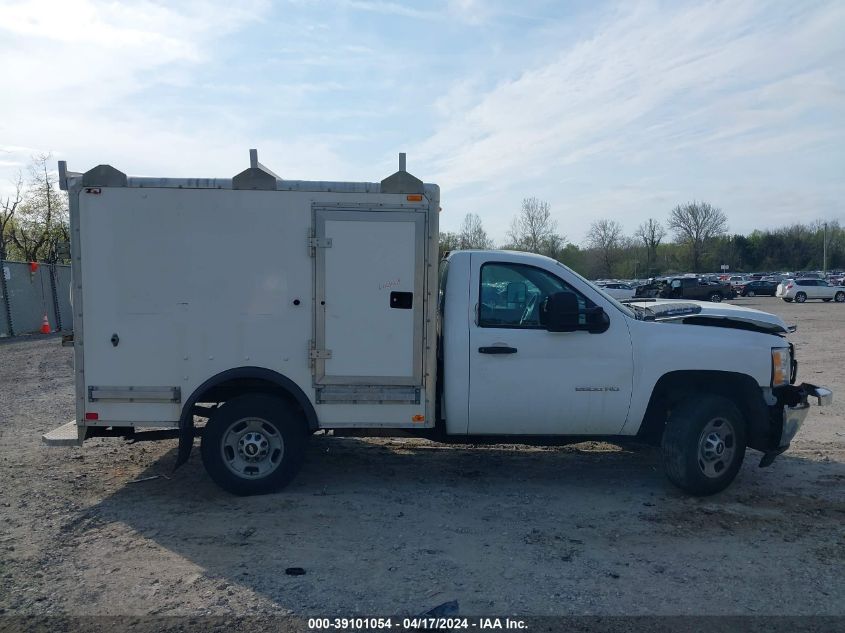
8 206
472 233
650 233
42 215
694 224
605 236
449 242
534 230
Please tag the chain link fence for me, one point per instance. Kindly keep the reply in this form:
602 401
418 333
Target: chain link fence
31 292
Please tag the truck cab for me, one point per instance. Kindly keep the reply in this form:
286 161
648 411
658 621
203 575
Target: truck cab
532 349
506 373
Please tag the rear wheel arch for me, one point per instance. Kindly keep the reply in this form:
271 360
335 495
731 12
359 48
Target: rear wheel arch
236 382
675 387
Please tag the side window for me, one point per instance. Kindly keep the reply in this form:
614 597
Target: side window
511 294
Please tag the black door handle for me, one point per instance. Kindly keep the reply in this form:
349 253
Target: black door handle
497 349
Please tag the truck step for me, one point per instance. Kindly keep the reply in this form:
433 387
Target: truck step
65 435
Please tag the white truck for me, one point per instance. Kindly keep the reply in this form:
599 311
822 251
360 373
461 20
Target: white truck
254 311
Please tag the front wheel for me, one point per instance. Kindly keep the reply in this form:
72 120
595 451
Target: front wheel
704 444
800 297
839 297
253 444
750 293
716 297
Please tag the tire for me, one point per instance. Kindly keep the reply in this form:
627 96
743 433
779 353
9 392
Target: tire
750 293
240 431
826 300
703 444
716 297
787 300
801 297
839 297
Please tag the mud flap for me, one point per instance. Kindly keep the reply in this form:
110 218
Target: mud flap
186 440
769 457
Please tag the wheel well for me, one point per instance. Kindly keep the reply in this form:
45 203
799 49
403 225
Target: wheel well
741 389
232 383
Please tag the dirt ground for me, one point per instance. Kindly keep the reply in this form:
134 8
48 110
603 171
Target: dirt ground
399 526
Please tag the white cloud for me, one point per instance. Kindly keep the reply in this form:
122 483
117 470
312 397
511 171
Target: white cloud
78 79
650 85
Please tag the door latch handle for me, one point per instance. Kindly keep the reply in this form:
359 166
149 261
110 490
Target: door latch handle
497 349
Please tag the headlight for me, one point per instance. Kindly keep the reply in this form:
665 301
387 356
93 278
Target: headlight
781 366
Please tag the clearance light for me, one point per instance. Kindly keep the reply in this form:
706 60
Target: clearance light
92 416
418 418
414 197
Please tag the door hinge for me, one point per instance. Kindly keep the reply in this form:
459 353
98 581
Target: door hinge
320 354
320 242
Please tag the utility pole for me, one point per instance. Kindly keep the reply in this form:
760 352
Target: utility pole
824 249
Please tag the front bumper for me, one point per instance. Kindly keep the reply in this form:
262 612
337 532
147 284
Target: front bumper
793 408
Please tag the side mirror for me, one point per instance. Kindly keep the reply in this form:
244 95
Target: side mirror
559 312
597 320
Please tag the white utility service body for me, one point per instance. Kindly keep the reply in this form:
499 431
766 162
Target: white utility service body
331 285
276 308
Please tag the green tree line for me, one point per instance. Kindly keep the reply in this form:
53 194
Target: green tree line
693 237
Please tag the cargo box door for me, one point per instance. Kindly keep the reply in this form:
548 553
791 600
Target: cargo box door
368 300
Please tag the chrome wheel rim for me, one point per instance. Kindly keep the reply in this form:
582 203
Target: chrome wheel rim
750 293
800 297
840 297
252 448
716 298
716 447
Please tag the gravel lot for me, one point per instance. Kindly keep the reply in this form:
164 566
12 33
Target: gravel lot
397 527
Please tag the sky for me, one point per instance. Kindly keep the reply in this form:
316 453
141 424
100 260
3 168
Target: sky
617 110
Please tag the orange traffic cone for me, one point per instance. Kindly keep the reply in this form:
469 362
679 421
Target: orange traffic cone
45 325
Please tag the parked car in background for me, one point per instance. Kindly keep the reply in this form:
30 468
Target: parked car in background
800 290
617 289
759 287
686 288
737 280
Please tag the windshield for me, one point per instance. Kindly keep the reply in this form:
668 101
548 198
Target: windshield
619 306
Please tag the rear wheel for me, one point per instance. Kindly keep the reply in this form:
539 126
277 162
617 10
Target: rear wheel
801 297
254 444
704 444
839 297
716 297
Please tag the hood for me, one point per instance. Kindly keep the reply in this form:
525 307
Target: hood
715 314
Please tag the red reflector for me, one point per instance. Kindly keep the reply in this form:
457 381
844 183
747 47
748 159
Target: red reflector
92 416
